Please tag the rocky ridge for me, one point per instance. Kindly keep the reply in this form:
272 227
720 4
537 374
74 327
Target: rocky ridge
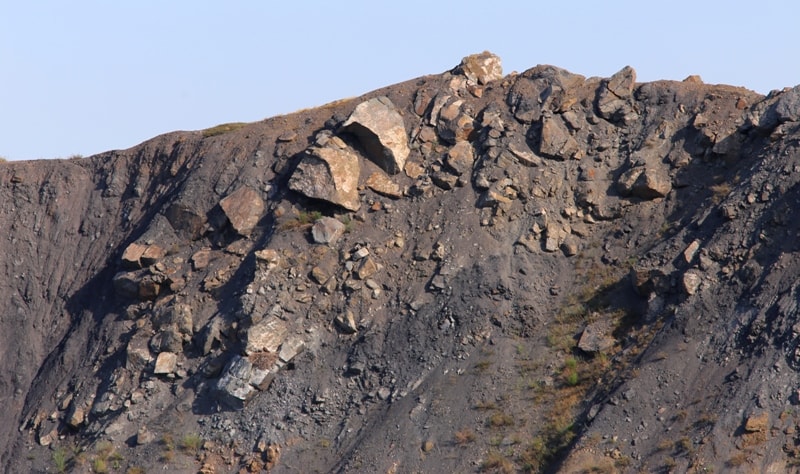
466 272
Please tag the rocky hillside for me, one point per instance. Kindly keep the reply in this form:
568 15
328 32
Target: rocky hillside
466 272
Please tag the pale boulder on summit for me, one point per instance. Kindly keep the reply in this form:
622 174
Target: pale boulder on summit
481 68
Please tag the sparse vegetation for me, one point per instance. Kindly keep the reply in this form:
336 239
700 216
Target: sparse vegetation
737 459
99 466
222 128
168 448
719 192
570 371
302 220
485 405
464 436
191 443
61 459
499 419
497 462
482 365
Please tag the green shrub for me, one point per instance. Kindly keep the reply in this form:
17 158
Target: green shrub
61 459
99 466
191 443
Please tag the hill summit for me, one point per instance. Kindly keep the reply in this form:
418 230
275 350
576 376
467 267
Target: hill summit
465 272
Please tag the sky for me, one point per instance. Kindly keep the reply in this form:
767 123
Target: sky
83 77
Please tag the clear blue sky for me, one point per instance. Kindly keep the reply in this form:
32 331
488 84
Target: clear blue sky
82 77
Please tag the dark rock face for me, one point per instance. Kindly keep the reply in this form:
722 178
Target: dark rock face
391 295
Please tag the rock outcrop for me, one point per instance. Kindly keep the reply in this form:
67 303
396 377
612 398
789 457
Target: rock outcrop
384 285
380 129
330 172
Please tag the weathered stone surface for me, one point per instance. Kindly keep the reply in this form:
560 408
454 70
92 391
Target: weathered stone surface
653 183
645 182
151 255
757 423
367 268
691 251
460 158
444 180
138 352
187 221
691 282
554 235
327 230
76 416
346 322
166 363
144 436
240 381
267 335
200 259
596 337
381 130
481 68
131 257
622 82
138 284
570 245
178 315
382 184
613 102
525 156
454 124
541 88
556 141
293 346
414 170
329 173
270 258
243 208
786 108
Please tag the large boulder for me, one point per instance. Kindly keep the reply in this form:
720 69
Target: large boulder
541 88
646 182
140 255
243 208
266 336
453 123
327 230
329 172
556 141
614 96
380 129
240 381
188 222
481 68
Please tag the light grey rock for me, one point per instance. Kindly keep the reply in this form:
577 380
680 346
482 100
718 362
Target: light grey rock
266 335
596 337
481 68
329 173
381 130
556 141
166 363
614 98
346 322
244 208
691 282
327 230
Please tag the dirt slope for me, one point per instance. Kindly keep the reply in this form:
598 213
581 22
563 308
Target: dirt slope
533 272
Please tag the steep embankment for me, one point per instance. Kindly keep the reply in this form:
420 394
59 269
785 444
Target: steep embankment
464 272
